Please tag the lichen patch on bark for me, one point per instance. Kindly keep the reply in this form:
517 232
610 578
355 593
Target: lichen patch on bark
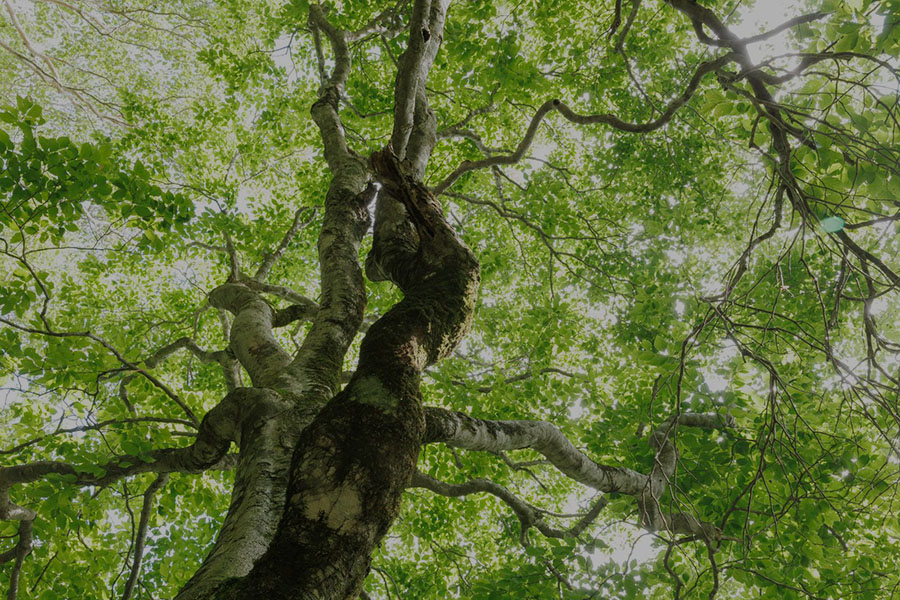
369 390
339 507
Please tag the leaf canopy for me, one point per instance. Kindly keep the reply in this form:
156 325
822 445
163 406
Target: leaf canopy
741 259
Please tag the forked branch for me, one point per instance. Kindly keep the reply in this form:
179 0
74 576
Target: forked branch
528 515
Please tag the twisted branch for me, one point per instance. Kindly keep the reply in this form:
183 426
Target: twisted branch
570 115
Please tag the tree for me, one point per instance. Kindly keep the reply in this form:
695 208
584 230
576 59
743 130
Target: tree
283 284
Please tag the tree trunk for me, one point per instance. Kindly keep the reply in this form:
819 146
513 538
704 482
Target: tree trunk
352 463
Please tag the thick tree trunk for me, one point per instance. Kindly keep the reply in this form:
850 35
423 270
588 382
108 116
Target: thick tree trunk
354 460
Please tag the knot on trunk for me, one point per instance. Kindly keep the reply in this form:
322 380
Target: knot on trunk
412 240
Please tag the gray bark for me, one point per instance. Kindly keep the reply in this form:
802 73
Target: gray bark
461 431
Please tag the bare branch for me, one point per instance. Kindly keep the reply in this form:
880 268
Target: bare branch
87 17
702 17
343 299
252 339
789 24
146 511
663 473
423 136
409 74
224 358
293 313
325 109
461 431
283 292
529 516
470 135
187 343
234 260
272 257
338 39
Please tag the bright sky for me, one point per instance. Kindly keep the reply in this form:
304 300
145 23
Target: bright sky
763 16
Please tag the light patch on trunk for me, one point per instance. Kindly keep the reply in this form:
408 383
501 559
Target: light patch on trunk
369 390
339 507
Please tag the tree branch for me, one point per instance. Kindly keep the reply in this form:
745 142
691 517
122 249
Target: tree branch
225 358
220 426
461 431
87 334
702 17
146 511
252 339
514 378
187 343
629 22
409 74
529 516
380 24
343 298
50 74
570 115
271 258
325 109
292 313
423 135
789 24
94 427
318 362
283 292
19 552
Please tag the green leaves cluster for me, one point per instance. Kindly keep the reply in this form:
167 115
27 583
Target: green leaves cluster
50 182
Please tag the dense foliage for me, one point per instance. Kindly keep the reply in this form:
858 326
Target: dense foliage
719 236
